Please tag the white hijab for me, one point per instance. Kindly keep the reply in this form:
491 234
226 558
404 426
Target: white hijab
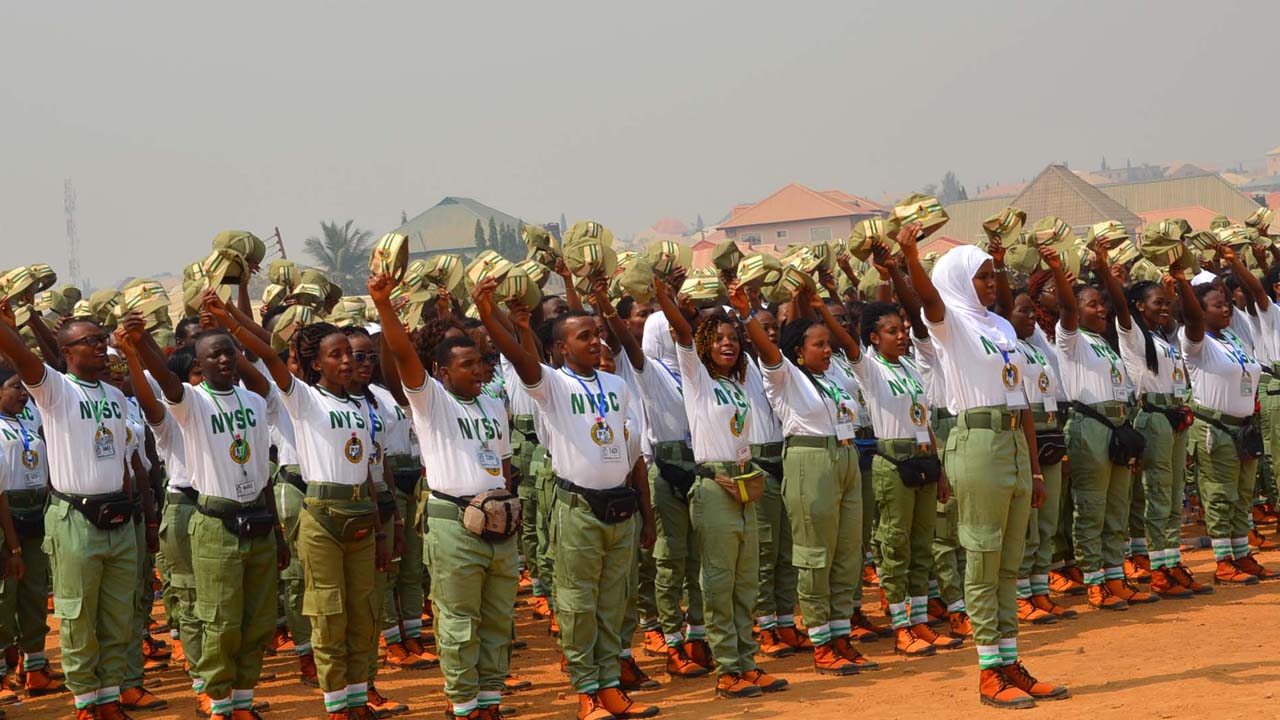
953 278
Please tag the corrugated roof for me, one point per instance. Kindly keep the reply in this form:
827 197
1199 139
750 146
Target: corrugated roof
1059 192
797 202
965 218
1005 190
450 225
1198 215
1209 191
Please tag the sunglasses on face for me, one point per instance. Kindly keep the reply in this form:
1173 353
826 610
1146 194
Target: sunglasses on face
88 341
362 357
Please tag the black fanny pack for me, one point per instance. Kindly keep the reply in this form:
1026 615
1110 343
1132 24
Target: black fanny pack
249 524
1126 445
386 507
294 479
1180 418
772 468
28 523
1052 447
105 512
915 471
610 506
1247 438
406 479
680 479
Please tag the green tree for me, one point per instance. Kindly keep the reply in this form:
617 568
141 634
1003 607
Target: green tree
404 217
495 240
951 190
342 253
699 226
479 234
564 226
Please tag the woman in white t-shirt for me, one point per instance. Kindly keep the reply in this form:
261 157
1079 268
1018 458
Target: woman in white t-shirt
821 488
24 479
713 376
1096 381
990 458
1224 383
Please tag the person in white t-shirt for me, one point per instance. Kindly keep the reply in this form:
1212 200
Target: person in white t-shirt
1224 384
89 533
584 412
340 535
991 457
1267 331
1098 385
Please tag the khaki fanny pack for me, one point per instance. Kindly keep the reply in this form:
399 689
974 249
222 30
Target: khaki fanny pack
745 487
492 515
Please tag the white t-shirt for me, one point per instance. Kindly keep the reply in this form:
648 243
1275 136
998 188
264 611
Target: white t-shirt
521 403
226 439
377 441
718 410
1242 326
30 416
657 341
803 409
977 370
896 397
332 434
281 426
172 450
1170 376
585 419
1041 342
842 370
1041 379
1091 371
394 436
1224 377
764 427
1266 334
463 442
935 380
24 464
86 432
659 388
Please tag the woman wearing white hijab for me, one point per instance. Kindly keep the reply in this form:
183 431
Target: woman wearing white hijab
990 456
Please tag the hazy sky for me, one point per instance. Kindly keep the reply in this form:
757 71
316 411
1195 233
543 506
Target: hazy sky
177 120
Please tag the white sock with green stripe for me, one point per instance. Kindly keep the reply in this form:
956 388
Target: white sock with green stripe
589 688
1158 559
1113 573
242 699
197 686
88 699
625 654
1137 546
1024 588
464 709
673 639
1039 585
898 615
391 634
933 590
696 632
957 606
302 649
647 624
840 628
989 656
34 661
335 701
221 707
1093 577
820 634
489 698
108 695
919 610
1221 549
538 588
787 620
357 695
767 622
1008 651
413 628
1240 547
1173 557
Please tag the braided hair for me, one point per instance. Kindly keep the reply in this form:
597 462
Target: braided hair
791 341
871 314
1044 319
1136 295
704 342
431 334
305 346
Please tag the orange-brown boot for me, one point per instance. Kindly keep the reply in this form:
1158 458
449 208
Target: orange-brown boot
1228 573
960 624
942 642
9 697
1134 573
179 655
1024 681
1101 598
339 715
798 641
1166 587
153 649
245 714
1130 594
631 678
937 610
41 682
1259 515
906 643
541 607
845 647
826 661
619 705
526 583
204 706
1250 564
310 677
589 708
1062 583
862 629
1029 613
1044 603
137 698
771 645
655 645
1183 576
997 690
280 642
383 706
1257 542
680 665
764 681
553 628
87 713
869 576
733 685
398 656
699 651
111 711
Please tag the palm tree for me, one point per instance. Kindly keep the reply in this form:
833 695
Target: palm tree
342 253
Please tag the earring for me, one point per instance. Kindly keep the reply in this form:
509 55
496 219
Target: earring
800 360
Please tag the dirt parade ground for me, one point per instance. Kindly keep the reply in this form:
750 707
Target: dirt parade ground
1213 656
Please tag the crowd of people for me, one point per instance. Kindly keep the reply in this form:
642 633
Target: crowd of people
722 461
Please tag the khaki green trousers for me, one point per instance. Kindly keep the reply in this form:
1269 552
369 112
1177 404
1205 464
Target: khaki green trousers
1164 467
175 546
545 492
523 454
474 595
23 602
339 598
235 603
675 556
402 599
822 489
142 599
870 522
728 543
289 502
1064 547
1042 525
990 472
1226 482
592 567
948 557
777 585
1269 402
905 533
95 583
1100 497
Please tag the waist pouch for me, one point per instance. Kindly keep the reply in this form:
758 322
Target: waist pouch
773 468
28 522
1247 438
386 507
105 512
347 520
1052 447
1180 418
492 515
915 471
610 506
680 479
745 488
1126 445
249 523
294 479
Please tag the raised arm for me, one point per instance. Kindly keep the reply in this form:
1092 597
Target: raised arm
525 363
839 335
1004 294
1251 284
934 309
680 327
570 292
250 339
135 335
45 339
1068 313
630 345
29 367
152 408
768 352
394 336
390 372
1192 313
907 296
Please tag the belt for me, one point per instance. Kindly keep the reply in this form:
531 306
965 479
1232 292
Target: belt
941 413
1044 420
865 433
1163 401
27 499
1207 414
335 491
817 442
991 418
443 510
183 496
293 477
711 469
673 451
1112 410
773 449
898 447
218 507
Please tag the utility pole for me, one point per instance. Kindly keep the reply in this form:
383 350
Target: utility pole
279 242
73 240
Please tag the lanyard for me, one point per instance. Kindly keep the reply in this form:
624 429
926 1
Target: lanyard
1032 353
373 423
237 439
679 384
484 441
1233 350
1117 377
99 407
593 399
908 382
22 431
740 410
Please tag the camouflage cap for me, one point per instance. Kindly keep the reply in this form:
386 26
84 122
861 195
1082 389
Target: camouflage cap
164 336
1145 271
82 310
801 258
487 264
1219 221
44 275
415 275
1162 243
633 278
1109 232
194 271
273 295
1123 253
71 292
293 319
243 242
283 272
1235 236
308 294
1006 224
1052 231
755 268
704 288
665 256
224 266
588 230
928 260
1183 226
917 207
865 233
447 271
390 256
726 256
1022 257
517 286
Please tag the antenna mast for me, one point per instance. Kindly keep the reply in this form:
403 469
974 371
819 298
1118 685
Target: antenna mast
73 240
